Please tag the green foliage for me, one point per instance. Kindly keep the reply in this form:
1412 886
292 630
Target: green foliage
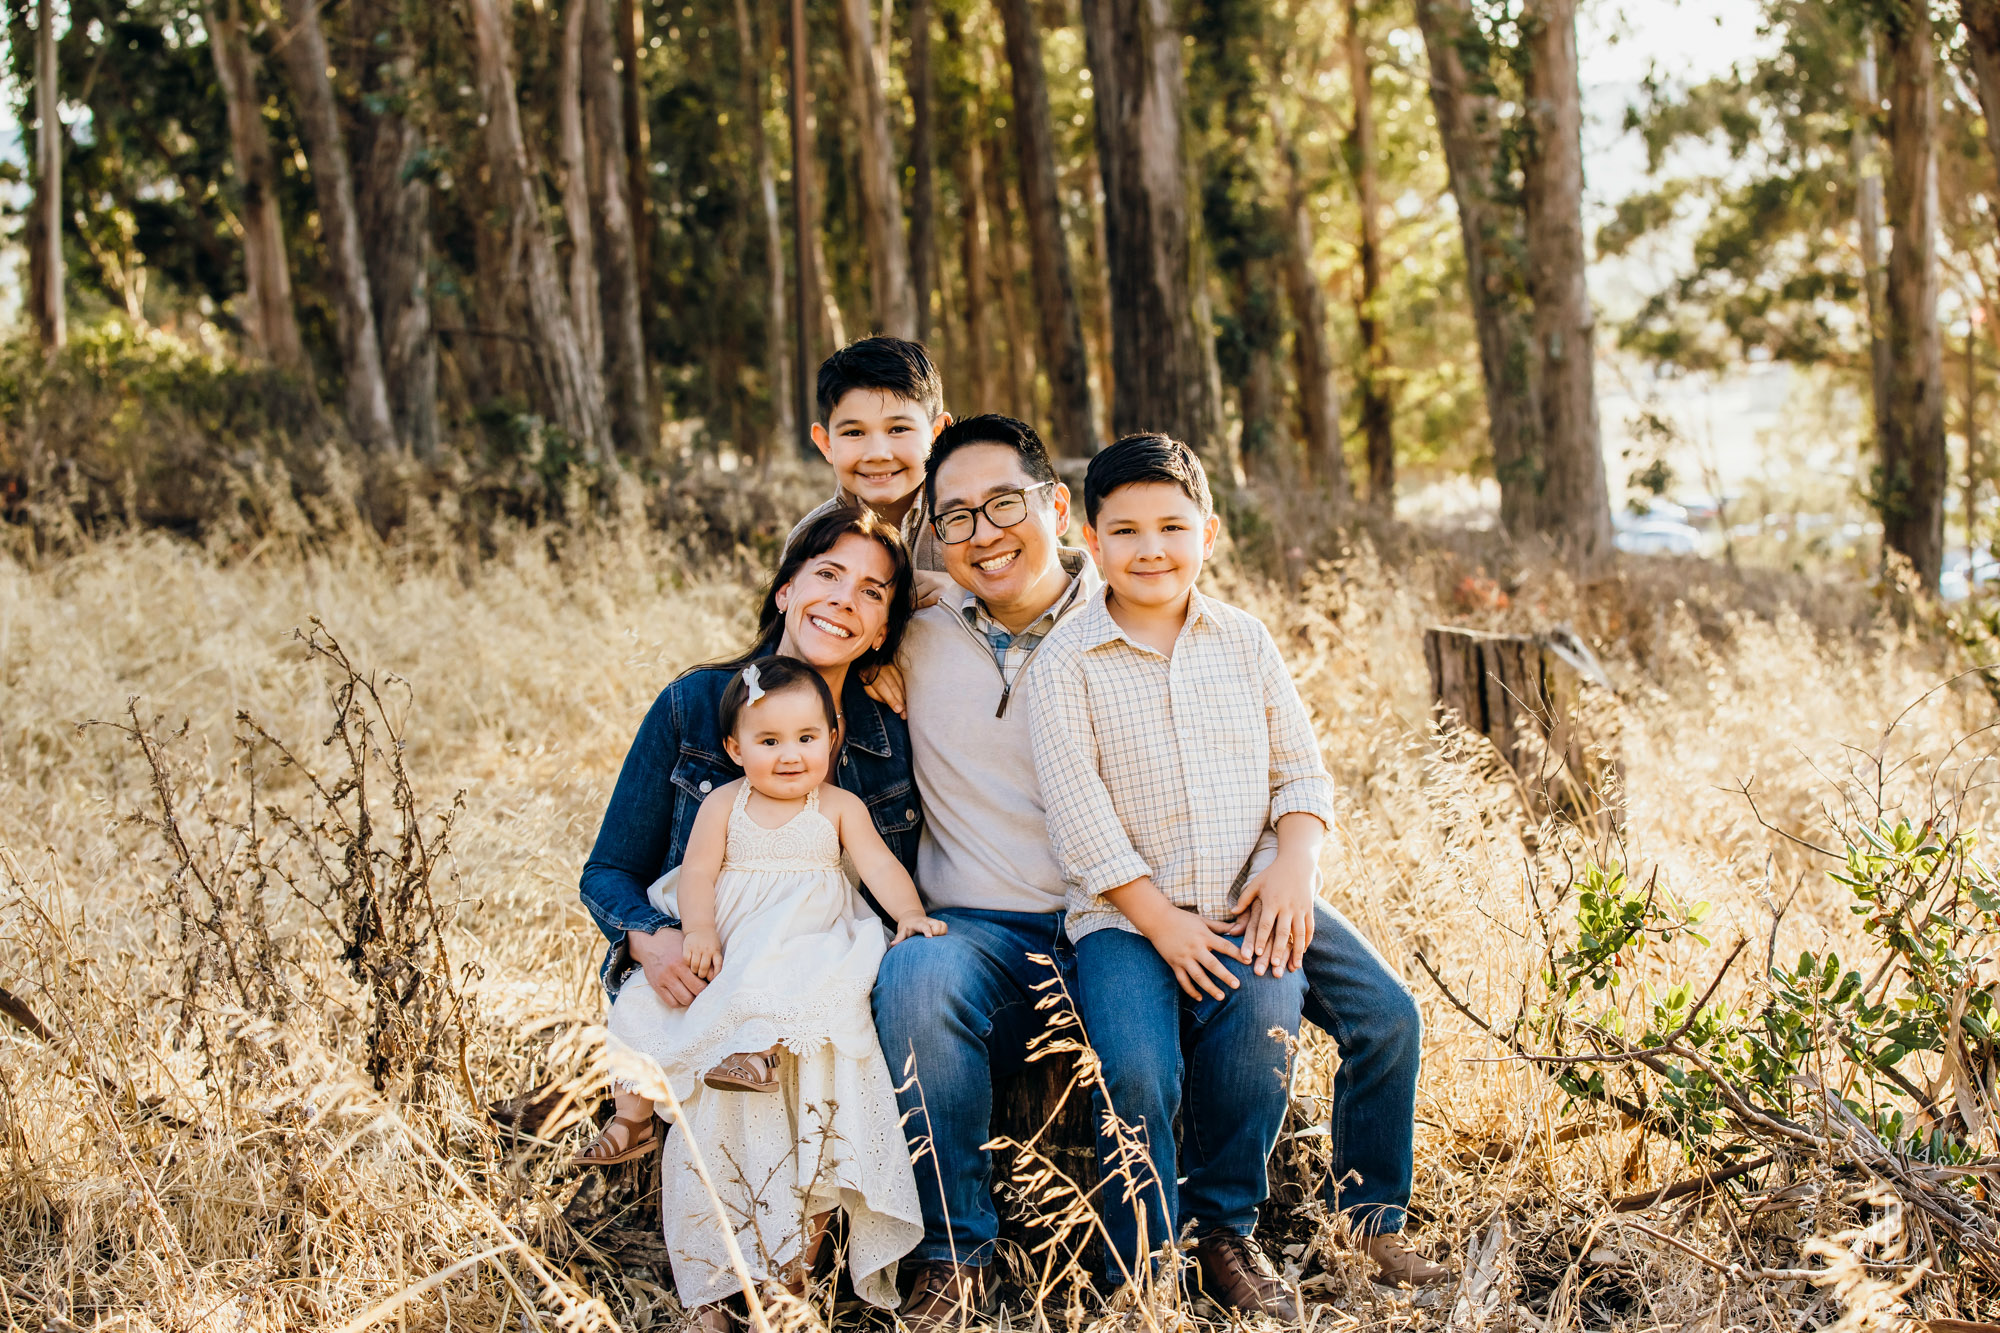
1892 1035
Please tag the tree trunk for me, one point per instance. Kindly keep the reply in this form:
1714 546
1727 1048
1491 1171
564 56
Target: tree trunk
1868 226
1257 395
923 158
571 382
268 319
1377 413
805 290
585 307
50 310
1059 325
631 19
893 305
1576 505
394 202
754 59
1910 492
1004 258
1469 127
972 237
1319 396
1161 352
610 161
1982 43
306 64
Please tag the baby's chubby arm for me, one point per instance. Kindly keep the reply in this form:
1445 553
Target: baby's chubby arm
707 842
880 870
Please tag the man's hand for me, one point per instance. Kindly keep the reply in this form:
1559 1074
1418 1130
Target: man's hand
929 586
884 685
661 955
1275 914
1190 945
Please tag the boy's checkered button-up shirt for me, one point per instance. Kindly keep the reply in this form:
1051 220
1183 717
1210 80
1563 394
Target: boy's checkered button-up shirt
1168 767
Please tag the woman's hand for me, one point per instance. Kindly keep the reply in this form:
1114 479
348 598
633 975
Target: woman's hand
917 925
662 956
885 686
703 952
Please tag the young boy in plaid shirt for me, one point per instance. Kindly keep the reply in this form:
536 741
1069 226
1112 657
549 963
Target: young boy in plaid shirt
1187 803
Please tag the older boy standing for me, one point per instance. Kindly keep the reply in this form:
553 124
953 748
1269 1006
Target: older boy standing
881 404
1187 803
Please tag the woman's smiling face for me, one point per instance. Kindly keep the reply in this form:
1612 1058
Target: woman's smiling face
837 606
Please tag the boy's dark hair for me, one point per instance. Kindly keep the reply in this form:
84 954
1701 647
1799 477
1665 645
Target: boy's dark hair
1147 456
775 675
809 543
892 365
988 428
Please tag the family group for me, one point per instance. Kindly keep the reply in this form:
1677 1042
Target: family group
1050 770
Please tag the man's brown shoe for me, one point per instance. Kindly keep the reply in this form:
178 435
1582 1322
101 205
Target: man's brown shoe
1400 1265
1234 1273
946 1295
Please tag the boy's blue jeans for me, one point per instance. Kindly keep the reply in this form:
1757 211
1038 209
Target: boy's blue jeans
1215 1065
963 1005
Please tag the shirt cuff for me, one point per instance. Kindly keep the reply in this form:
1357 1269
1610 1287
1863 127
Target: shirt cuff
1115 873
1311 797
648 921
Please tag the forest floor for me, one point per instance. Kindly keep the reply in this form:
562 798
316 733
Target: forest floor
199 1136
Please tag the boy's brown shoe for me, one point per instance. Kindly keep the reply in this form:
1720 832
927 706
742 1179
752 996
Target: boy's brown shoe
1400 1265
1234 1273
946 1296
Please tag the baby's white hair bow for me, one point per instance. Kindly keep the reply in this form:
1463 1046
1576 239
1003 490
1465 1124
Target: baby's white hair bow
750 684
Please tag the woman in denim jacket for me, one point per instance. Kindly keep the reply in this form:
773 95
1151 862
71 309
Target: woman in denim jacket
840 600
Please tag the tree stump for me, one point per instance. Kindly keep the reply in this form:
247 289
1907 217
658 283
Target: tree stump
1547 706
1022 1105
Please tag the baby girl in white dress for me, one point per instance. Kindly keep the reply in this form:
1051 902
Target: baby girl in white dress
776 1064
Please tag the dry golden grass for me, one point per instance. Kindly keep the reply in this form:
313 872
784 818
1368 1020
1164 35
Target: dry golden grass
239 1171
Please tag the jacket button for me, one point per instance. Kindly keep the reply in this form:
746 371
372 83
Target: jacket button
909 814
705 785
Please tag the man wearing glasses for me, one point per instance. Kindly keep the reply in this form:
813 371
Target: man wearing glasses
958 1010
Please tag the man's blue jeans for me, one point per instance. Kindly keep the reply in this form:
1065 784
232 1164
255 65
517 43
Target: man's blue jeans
1214 1062
957 1011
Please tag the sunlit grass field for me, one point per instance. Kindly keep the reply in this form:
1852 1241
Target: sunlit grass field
174 1156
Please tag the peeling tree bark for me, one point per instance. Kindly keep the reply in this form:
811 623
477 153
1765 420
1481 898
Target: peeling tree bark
625 373
269 322
574 390
1162 346
923 158
1910 490
1319 396
1576 506
393 199
1868 228
777 361
1059 325
1377 412
50 310
894 306
306 64
1469 128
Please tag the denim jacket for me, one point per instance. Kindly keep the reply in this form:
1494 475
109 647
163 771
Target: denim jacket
677 760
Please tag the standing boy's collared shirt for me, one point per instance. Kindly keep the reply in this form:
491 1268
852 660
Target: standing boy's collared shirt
1173 767
926 551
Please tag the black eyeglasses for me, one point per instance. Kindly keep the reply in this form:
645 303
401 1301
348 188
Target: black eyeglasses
1002 511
